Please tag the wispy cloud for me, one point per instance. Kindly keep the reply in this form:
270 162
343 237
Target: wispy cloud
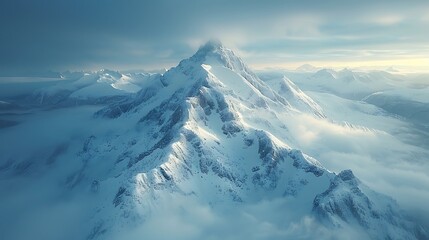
80 34
269 219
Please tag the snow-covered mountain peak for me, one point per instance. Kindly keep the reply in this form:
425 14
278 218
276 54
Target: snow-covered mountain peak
212 48
209 131
307 68
325 74
346 72
218 68
212 44
215 53
109 73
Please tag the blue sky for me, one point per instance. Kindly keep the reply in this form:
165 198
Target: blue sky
58 35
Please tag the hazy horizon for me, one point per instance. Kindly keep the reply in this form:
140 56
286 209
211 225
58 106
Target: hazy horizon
90 35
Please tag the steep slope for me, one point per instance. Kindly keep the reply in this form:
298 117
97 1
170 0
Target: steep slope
203 137
347 202
211 132
301 101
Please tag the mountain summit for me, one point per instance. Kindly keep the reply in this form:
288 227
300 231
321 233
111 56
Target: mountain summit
307 68
210 133
211 130
210 46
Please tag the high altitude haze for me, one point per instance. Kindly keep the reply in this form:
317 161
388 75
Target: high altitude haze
88 35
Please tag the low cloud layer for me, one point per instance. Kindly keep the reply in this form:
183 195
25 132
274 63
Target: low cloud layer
381 160
271 219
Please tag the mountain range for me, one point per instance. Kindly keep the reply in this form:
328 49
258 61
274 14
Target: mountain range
117 151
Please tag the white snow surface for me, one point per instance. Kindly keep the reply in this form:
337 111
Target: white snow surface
91 86
205 138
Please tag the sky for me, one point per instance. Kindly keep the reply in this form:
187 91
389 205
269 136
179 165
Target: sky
59 35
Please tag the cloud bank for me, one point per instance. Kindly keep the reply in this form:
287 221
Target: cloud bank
60 35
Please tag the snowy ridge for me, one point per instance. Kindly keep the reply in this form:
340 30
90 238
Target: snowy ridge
92 87
301 101
208 131
348 202
201 140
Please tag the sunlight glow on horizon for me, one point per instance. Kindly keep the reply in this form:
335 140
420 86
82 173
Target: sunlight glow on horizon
409 65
